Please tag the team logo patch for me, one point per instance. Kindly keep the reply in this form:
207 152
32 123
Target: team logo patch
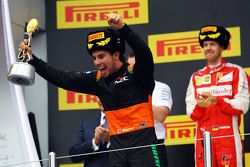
90 45
121 79
103 42
225 160
209 28
225 90
225 77
213 36
198 80
98 75
130 69
219 75
99 35
143 124
207 79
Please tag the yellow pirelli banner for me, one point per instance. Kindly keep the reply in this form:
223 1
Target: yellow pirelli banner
68 100
247 70
248 73
247 159
72 165
184 46
89 13
180 130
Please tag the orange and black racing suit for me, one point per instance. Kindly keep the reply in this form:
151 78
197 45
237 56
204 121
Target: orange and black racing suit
126 97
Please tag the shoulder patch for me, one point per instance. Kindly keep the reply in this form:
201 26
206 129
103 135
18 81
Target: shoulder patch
98 75
130 69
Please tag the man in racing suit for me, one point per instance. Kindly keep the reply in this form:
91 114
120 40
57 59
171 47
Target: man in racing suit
125 91
216 98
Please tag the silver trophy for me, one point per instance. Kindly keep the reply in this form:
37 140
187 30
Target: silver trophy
22 73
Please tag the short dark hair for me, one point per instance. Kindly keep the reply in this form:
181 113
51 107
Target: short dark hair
131 55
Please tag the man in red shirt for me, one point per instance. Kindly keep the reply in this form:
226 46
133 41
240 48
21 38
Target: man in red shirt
216 98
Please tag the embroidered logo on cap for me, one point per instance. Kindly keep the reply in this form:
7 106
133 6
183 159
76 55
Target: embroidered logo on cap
213 36
99 35
90 45
103 42
209 28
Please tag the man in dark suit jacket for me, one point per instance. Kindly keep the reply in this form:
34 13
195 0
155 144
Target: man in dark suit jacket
92 137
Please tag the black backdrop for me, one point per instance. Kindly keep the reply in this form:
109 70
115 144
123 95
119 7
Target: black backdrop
66 50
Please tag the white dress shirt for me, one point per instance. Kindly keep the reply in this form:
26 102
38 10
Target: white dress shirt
102 121
162 96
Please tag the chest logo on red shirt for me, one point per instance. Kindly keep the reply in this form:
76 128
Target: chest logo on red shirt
224 77
224 90
202 80
207 79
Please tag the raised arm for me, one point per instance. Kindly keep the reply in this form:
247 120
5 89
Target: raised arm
84 82
144 66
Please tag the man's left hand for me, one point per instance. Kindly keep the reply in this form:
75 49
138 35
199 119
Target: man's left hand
115 21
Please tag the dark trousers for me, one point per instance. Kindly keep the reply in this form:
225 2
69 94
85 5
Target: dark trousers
151 156
162 153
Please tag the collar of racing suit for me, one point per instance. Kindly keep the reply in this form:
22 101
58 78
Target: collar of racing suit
216 68
119 72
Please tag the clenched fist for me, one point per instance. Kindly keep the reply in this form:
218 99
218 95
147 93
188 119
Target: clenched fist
101 134
115 21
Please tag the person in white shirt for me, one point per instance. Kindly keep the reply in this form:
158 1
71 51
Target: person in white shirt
162 103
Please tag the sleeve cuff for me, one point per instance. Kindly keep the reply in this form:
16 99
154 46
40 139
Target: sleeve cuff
124 30
108 145
34 60
198 112
94 146
227 108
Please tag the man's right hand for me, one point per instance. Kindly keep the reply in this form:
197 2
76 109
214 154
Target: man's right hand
101 134
205 99
203 102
